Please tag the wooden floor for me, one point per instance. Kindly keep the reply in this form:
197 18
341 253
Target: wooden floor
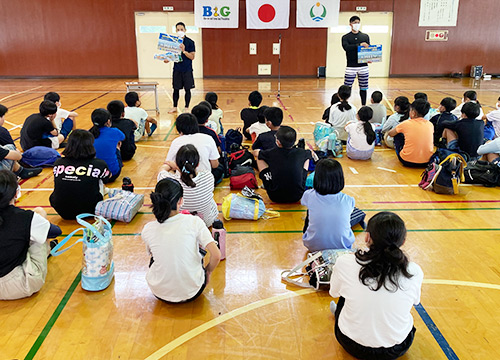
246 312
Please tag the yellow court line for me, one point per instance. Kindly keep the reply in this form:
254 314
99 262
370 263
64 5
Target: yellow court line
19 93
228 316
274 299
386 100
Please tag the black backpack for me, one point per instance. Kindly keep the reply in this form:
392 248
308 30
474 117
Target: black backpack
241 157
483 173
233 136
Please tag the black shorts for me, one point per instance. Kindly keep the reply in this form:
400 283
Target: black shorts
183 80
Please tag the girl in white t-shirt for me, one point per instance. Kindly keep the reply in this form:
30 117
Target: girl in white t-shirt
342 112
361 140
198 186
215 119
176 273
377 289
402 113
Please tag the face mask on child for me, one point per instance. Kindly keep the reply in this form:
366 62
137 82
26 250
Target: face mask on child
356 27
498 105
181 33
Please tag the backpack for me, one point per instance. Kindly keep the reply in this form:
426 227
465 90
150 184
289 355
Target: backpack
40 156
233 136
450 175
243 176
482 172
241 157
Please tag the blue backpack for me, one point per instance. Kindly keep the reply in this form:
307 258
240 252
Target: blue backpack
40 156
233 136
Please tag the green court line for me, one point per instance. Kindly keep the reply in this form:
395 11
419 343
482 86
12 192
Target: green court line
39 341
169 132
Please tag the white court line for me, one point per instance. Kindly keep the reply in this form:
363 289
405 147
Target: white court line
15 127
390 170
229 111
19 93
353 170
313 108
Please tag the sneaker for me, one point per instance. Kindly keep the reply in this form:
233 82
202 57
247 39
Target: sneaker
429 175
173 110
152 129
53 244
26 173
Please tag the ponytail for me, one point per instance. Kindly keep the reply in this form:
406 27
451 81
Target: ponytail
404 107
384 262
187 173
8 189
187 160
344 94
99 118
165 198
365 114
370 134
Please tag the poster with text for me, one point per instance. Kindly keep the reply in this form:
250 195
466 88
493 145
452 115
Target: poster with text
371 54
438 13
216 14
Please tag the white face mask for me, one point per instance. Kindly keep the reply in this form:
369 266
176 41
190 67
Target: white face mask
498 105
181 33
356 27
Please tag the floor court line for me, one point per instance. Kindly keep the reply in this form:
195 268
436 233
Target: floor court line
19 93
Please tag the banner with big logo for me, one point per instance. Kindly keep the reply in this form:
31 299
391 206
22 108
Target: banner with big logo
268 14
314 13
216 13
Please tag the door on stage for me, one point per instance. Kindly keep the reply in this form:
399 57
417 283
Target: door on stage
378 25
148 26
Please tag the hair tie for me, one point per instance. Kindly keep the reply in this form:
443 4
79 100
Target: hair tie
184 170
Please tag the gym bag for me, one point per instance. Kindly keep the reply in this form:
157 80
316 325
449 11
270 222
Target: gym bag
450 175
236 206
122 205
233 136
40 156
241 157
243 176
482 172
98 266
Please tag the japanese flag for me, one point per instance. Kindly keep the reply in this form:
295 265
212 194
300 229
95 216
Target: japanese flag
268 14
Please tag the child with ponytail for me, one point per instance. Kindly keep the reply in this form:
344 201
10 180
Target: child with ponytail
377 289
24 244
342 112
361 140
107 142
198 186
176 273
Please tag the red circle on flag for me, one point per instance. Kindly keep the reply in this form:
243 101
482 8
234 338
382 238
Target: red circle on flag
266 13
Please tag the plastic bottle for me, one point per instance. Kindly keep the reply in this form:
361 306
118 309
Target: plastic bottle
332 138
127 184
219 235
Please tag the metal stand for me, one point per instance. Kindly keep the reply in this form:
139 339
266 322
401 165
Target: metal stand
279 69
145 86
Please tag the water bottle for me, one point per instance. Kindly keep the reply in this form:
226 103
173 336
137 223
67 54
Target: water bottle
127 184
219 235
332 138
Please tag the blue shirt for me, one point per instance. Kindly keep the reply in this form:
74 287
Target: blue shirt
186 65
105 147
329 221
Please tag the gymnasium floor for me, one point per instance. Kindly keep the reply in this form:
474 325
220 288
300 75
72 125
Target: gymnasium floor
246 312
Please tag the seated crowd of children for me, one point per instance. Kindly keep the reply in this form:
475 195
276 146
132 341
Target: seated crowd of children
195 164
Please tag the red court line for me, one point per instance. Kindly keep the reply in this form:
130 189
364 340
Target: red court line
436 202
284 108
50 175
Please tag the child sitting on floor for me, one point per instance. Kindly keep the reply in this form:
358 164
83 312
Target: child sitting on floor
342 112
402 113
444 118
126 126
259 127
215 119
267 140
326 114
379 109
494 118
361 140
143 122
65 120
469 96
249 115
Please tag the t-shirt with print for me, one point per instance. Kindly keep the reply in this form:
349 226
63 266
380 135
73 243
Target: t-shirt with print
128 144
5 138
329 221
374 318
202 142
139 116
419 144
210 132
287 176
186 65
177 273
105 147
470 134
34 129
357 137
265 141
76 186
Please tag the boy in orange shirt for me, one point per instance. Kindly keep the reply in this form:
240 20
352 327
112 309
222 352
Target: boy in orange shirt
414 146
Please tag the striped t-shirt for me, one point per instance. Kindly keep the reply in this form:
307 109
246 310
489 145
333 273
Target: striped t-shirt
200 198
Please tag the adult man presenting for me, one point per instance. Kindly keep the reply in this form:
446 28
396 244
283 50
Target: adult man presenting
350 43
182 77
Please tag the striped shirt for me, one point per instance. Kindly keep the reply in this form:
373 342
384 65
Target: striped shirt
200 198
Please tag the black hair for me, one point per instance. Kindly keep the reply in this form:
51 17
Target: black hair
212 98
99 118
255 98
471 95
116 109
365 115
131 98
261 114
180 23
353 19
449 104
328 177
286 136
3 110
471 110
377 96
186 124
165 198
421 107
52 96
8 189
187 160
335 99
274 115
420 95
384 262
201 112
207 105
47 108
80 145
344 95
404 107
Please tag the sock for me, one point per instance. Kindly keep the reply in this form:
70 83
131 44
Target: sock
363 93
